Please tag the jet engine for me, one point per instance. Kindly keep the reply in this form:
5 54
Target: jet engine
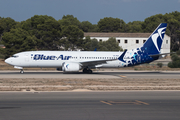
71 67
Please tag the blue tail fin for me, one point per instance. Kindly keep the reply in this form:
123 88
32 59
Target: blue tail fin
154 42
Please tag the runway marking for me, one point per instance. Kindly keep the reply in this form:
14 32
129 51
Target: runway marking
122 76
106 103
142 102
136 102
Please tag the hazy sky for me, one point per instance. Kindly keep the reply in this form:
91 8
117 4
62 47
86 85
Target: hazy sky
87 10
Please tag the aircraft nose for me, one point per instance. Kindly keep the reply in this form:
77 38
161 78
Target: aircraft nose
8 61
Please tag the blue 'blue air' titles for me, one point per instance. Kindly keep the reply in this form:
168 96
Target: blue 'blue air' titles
44 57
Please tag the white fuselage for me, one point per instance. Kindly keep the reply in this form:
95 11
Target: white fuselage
55 59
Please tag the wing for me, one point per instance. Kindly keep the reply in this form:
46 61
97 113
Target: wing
96 62
99 62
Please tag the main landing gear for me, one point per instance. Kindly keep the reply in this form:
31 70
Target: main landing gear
87 70
22 71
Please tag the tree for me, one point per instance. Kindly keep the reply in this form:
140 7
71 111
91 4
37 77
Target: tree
175 61
134 27
17 40
73 35
70 20
110 45
174 33
1 30
152 22
109 24
173 28
89 44
86 26
46 29
159 65
7 23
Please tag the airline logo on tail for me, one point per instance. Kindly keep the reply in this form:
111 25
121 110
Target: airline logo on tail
154 42
155 37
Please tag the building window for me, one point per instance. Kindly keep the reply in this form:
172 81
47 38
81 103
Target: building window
166 41
118 41
100 40
137 41
125 41
144 41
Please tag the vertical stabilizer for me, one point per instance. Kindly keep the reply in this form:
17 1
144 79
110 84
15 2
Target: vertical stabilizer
154 42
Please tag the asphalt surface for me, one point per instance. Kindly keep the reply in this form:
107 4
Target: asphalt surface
96 74
126 105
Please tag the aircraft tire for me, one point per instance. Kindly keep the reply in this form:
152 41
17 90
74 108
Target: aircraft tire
85 70
21 71
90 71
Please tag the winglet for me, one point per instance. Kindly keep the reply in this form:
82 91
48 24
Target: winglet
122 56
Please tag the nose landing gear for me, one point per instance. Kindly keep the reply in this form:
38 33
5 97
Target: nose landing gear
22 71
20 68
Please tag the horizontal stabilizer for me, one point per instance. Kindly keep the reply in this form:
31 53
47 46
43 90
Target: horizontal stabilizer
156 55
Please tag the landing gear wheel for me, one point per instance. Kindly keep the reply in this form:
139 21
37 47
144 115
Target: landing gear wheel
90 71
86 70
21 71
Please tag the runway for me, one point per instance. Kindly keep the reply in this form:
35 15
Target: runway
95 74
126 105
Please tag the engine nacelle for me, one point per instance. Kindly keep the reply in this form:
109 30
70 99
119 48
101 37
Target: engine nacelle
71 67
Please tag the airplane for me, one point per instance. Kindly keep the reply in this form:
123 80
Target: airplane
73 61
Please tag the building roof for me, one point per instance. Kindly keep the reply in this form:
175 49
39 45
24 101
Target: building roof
95 34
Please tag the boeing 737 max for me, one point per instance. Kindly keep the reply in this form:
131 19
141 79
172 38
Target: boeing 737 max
73 61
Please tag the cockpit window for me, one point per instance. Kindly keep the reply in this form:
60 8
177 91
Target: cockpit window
15 56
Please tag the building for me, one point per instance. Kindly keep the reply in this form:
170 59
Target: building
130 40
